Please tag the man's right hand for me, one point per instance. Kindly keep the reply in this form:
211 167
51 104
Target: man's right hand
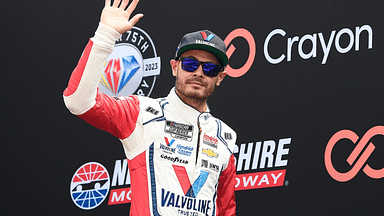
118 17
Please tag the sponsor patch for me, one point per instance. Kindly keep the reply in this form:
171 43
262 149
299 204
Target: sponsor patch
184 150
210 140
167 149
208 165
152 110
228 136
185 205
210 153
174 159
179 131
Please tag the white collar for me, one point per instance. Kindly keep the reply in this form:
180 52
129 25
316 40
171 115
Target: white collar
178 105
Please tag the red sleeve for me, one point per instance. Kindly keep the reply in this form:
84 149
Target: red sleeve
226 200
117 116
78 71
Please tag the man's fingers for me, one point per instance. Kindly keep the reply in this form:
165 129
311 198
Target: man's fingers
132 6
135 19
124 4
116 3
107 3
117 17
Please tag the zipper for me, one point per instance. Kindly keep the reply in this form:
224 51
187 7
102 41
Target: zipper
198 140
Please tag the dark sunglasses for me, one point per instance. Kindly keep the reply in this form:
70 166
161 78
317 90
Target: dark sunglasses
191 64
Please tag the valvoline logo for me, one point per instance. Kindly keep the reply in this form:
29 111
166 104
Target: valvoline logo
206 37
190 190
90 185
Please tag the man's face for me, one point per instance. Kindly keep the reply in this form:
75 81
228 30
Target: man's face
195 85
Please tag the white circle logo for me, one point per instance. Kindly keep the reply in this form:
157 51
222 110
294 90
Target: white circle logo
90 185
132 67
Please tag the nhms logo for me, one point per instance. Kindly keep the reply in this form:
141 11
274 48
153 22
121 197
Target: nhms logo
132 67
91 183
267 154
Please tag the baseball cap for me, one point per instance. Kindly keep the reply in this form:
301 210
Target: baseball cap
204 40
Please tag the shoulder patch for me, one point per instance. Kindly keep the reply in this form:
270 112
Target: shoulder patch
152 110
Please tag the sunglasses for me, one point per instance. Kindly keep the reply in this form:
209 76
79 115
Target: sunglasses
191 64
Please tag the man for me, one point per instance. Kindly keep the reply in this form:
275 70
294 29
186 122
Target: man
180 157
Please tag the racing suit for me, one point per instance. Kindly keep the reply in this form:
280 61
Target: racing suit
181 161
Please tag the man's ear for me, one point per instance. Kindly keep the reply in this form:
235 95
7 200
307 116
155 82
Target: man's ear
173 63
220 77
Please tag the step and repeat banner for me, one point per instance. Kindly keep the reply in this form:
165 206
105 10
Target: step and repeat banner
304 92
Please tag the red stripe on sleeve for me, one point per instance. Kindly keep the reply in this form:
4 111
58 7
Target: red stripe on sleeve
118 117
78 71
139 185
226 200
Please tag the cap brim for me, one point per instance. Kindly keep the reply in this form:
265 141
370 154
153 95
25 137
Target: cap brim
222 57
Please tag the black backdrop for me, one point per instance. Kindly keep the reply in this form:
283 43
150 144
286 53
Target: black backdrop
302 99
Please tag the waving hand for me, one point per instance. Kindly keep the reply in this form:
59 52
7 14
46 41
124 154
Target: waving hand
118 15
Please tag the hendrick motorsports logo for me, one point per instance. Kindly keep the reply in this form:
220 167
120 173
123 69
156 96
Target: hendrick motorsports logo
132 67
90 185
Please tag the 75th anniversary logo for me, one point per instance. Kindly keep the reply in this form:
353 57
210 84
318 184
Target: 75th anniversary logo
132 67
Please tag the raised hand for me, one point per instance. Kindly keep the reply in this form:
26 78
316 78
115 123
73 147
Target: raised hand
118 15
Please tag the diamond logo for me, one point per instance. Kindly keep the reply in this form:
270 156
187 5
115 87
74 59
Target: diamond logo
118 72
133 66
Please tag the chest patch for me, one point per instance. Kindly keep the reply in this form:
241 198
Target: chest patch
179 131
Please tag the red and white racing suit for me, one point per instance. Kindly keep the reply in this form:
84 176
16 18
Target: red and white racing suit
181 161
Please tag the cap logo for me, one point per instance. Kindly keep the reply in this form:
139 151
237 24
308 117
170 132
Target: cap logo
207 38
